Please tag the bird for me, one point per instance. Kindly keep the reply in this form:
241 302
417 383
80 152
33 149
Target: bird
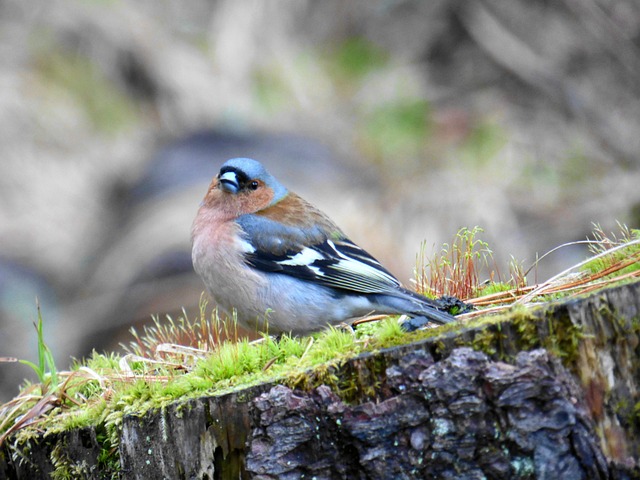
277 264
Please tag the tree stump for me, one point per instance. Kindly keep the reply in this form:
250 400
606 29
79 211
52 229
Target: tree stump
543 394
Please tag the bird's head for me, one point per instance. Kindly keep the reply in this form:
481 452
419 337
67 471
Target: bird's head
244 186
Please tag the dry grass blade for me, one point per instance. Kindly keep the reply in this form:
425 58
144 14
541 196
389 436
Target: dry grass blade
182 350
94 375
484 311
306 350
204 333
128 371
508 296
28 408
553 281
559 247
367 319
11 409
32 415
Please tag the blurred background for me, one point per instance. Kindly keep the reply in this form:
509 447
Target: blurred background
403 120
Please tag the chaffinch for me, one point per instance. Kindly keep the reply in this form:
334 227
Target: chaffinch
282 264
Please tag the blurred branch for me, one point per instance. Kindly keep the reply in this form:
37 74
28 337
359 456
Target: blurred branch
607 33
513 54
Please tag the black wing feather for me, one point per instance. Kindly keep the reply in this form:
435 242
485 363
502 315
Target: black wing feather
337 264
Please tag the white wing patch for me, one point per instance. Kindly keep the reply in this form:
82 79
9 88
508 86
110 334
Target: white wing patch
245 247
304 258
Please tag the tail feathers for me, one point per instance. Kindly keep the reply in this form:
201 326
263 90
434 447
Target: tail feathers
412 304
434 315
427 307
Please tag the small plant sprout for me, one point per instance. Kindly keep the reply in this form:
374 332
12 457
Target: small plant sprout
46 367
455 269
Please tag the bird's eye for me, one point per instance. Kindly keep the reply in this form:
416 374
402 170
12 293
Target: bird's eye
253 185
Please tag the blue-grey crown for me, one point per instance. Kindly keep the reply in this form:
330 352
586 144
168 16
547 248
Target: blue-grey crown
254 169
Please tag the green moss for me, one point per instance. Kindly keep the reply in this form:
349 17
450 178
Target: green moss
628 235
334 343
494 287
485 341
389 333
108 458
99 362
527 325
64 467
322 375
503 336
61 463
353 382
